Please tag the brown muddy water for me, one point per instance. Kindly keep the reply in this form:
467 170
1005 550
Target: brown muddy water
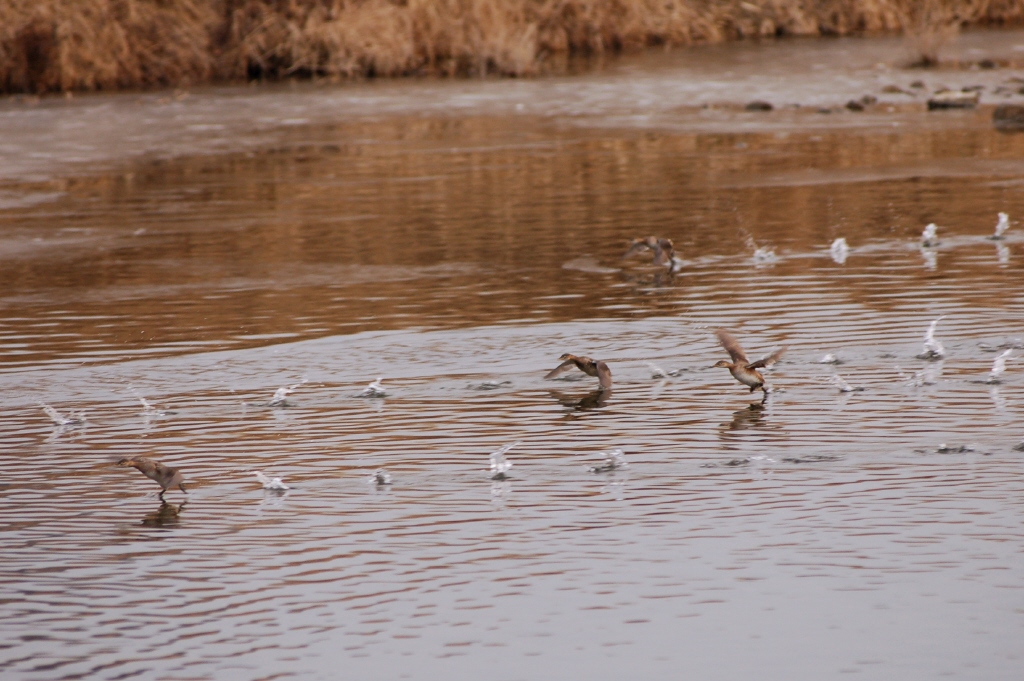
455 239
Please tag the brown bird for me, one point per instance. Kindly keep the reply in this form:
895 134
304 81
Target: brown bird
587 366
165 476
664 251
742 369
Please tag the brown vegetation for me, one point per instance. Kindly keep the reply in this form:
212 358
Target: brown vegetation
62 45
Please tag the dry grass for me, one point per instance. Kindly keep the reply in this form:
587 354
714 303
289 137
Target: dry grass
60 45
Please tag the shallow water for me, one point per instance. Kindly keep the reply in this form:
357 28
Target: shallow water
874 532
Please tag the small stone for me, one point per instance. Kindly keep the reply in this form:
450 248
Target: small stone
868 100
918 84
987 64
759 105
894 90
854 105
953 100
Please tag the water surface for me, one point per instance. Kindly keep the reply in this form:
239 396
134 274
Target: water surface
457 255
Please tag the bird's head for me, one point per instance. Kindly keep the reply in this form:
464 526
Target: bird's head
126 463
722 364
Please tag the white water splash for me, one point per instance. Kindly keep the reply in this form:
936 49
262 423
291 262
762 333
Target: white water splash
933 348
839 251
612 461
999 366
844 387
273 484
380 477
72 419
375 389
278 400
500 464
1001 226
929 237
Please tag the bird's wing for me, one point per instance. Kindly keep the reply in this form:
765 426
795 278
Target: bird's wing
767 360
731 346
560 369
637 246
604 376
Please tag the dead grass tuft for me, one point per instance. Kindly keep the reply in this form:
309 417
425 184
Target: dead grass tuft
928 26
54 45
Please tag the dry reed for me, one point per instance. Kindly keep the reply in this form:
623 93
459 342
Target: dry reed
62 45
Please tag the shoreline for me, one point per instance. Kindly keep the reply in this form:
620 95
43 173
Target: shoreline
703 88
112 45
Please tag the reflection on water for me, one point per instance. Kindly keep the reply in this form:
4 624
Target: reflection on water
595 399
821 533
750 417
165 516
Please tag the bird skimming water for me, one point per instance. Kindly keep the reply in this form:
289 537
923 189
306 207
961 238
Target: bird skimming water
742 369
664 251
588 366
165 476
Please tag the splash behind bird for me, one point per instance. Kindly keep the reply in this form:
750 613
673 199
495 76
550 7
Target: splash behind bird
929 237
500 464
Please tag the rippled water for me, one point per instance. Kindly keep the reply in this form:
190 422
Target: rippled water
875 532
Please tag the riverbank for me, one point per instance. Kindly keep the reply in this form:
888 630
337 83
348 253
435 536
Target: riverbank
82 45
